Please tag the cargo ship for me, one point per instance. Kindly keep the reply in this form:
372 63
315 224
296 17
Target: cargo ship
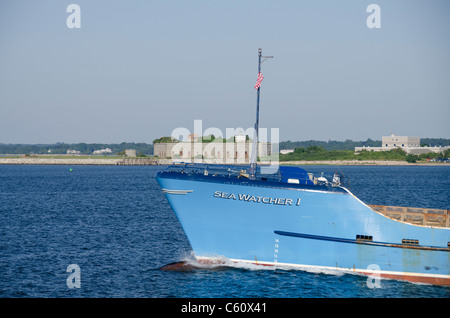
291 218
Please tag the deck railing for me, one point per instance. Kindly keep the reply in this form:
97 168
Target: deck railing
418 216
242 171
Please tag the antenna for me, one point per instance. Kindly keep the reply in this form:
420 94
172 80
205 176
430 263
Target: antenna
253 160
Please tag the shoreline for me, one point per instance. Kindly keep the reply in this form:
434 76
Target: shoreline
154 161
362 163
85 161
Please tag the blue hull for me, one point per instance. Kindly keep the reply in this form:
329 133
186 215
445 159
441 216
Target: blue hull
306 226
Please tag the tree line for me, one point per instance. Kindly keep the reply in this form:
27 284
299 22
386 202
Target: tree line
147 149
350 144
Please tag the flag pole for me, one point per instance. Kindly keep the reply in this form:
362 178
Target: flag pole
254 157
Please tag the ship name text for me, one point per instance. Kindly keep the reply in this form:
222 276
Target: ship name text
257 199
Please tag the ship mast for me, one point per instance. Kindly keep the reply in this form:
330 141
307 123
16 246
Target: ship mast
253 160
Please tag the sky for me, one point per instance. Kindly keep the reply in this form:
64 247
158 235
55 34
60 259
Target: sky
137 70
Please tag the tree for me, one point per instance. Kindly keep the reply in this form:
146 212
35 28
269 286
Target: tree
412 158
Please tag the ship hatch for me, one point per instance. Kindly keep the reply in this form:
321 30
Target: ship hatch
365 238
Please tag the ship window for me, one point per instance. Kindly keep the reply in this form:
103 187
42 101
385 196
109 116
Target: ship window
364 237
410 241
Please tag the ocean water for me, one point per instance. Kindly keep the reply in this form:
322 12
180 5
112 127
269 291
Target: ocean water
114 223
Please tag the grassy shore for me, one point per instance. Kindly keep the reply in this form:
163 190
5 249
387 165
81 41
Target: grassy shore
314 153
363 163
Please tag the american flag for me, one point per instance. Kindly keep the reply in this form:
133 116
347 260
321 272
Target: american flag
259 80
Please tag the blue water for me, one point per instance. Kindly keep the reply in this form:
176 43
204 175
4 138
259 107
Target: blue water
116 225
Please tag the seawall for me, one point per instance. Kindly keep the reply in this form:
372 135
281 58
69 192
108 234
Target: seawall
85 161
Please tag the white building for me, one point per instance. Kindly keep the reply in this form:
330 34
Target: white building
73 152
399 141
130 152
102 151
239 151
411 145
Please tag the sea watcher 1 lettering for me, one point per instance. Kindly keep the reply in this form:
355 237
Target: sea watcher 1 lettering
256 199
